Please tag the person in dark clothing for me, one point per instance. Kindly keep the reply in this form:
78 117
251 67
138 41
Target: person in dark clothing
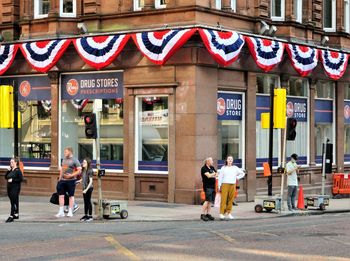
14 178
86 179
209 175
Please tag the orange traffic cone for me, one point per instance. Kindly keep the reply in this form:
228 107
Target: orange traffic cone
301 204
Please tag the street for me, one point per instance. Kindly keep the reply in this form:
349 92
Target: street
319 237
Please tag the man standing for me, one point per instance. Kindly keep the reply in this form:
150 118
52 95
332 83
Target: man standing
292 169
209 175
69 171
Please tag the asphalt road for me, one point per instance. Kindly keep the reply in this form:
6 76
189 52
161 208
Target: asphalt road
322 237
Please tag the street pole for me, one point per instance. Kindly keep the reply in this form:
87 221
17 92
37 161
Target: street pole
269 179
97 109
283 163
324 145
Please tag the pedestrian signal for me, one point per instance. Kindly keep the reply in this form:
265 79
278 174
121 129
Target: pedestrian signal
90 126
291 125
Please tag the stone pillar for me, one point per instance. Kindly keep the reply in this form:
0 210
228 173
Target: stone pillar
312 143
339 126
129 140
55 100
149 5
54 8
250 143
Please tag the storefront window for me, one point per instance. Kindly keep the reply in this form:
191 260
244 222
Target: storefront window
230 111
263 87
151 134
297 107
324 127
347 124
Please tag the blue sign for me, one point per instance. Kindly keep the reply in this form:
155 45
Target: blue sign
297 108
347 112
262 105
323 111
94 85
229 106
30 88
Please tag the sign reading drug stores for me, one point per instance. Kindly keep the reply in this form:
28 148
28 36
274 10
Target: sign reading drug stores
92 85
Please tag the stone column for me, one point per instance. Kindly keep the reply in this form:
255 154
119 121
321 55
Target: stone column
54 120
54 8
339 126
129 140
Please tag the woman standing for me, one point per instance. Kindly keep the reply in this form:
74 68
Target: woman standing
14 178
87 174
228 176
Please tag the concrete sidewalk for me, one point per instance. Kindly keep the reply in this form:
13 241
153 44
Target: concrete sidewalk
38 209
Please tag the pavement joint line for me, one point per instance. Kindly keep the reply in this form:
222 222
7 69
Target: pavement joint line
123 250
337 241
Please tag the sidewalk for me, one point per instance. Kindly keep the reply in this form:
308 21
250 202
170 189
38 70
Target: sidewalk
38 209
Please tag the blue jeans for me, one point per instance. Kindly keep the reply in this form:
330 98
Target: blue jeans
292 192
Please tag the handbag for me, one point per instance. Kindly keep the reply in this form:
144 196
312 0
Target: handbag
54 198
217 200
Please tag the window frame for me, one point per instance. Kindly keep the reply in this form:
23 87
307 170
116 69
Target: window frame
36 10
333 18
158 5
347 15
298 8
137 6
233 5
73 14
283 10
218 4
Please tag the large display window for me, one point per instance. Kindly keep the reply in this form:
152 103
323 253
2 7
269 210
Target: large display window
152 134
347 124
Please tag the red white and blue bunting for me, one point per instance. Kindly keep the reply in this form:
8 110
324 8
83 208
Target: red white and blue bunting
100 51
334 63
304 59
224 47
7 54
266 53
43 55
160 46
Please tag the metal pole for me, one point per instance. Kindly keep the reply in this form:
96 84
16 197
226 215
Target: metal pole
15 118
269 179
98 165
323 164
283 162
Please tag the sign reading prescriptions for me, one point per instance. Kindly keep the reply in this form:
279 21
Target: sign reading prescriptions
94 85
229 106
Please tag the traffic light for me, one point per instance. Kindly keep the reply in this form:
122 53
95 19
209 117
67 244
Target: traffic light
90 126
291 125
279 108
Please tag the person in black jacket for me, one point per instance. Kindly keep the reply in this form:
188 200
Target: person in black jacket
14 178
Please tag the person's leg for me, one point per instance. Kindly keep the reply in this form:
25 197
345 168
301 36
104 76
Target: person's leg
289 197
86 207
17 190
10 193
224 195
71 190
230 198
61 192
89 194
294 193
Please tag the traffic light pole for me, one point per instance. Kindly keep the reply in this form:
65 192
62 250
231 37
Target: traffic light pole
269 179
324 146
98 165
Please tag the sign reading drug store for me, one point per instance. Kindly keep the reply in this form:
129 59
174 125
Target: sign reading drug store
92 85
229 106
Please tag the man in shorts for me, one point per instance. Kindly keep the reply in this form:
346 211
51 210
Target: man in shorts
209 175
69 171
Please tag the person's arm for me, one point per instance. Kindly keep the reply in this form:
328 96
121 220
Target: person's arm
210 175
221 177
290 169
61 174
240 174
18 177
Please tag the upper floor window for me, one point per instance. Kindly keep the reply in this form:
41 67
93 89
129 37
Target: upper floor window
160 4
68 8
138 5
277 10
298 10
218 4
234 5
347 15
41 8
329 15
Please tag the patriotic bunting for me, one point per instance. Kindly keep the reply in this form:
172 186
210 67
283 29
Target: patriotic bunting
100 51
334 63
160 46
304 59
43 55
223 46
7 54
266 53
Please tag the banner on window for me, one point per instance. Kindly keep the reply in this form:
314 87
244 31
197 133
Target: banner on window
30 88
347 112
229 106
297 108
323 111
94 85
155 118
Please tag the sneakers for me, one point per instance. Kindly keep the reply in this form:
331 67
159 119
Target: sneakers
89 218
15 216
59 214
83 218
230 217
222 217
210 217
234 203
75 208
70 213
9 220
204 217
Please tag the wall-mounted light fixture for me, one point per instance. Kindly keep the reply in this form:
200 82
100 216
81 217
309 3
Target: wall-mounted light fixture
264 27
324 40
272 31
83 28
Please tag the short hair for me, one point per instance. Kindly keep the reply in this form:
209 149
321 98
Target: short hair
294 156
69 149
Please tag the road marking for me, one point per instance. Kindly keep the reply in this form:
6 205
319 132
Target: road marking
121 249
259 233
337 240
223 236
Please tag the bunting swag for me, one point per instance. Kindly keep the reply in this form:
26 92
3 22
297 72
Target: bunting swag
266 53
160 46
334 63
304 59
7 54
100 51
223 46
43 55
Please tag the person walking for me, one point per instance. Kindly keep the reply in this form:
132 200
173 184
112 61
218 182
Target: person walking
292 169
87 181
14 178
209 175
228 176
69 171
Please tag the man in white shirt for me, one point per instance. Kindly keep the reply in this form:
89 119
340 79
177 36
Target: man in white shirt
292 169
